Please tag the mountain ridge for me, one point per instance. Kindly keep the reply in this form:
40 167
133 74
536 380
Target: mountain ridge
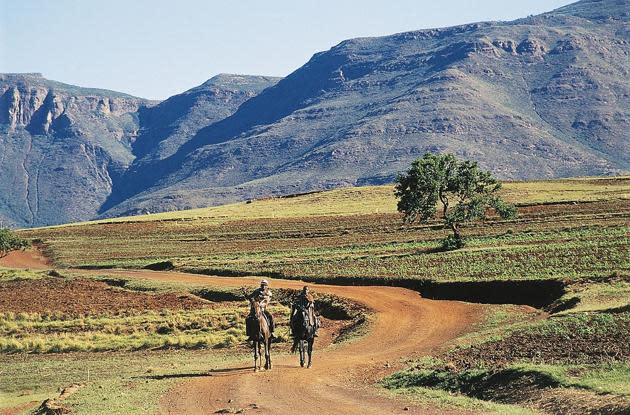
538 97
444 48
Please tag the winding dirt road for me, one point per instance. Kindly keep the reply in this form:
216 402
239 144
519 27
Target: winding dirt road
342 379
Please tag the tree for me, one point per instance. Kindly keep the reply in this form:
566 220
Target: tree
10 242
464 191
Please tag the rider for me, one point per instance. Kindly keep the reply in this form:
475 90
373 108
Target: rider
305 302
262 294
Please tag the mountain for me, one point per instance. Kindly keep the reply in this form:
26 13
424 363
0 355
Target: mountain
540 97
63 149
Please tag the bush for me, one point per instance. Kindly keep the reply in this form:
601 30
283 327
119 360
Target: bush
451 243
9 241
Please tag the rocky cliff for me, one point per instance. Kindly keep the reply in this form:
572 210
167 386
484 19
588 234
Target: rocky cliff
63 149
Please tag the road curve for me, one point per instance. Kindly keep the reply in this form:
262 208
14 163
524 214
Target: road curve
403 325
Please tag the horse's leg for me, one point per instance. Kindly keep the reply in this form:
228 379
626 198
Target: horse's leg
255 355
310 350
301 353
268 353
260 355
266 346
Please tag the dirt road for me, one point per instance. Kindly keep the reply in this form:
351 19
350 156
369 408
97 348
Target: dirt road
342 379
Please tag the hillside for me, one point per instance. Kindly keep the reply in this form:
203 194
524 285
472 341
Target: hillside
357 233
545 96
565 255
541 97
63 148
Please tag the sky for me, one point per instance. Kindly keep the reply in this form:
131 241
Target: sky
158 48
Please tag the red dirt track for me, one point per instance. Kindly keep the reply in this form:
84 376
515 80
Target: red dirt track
403 325
342 378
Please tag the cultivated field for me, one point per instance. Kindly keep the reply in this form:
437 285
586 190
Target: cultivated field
565 229
565 254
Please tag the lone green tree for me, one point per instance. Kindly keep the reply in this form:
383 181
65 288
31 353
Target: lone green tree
9 241
464 191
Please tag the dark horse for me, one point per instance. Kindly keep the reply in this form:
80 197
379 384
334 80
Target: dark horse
303 326
258 330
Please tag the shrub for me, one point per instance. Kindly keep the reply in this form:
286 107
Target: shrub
451 243
9 241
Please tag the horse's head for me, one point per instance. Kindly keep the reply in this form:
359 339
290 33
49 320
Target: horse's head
254 306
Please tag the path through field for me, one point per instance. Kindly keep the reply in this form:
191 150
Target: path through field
342 379
343 376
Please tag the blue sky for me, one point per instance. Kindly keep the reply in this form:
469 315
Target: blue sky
157 48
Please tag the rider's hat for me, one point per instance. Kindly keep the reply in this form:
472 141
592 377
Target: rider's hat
264 282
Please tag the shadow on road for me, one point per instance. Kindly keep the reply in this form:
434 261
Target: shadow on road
211 372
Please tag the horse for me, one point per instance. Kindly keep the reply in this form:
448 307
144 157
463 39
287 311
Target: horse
303 329
258 328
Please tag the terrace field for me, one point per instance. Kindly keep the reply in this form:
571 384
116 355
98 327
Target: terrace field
566 254
568 229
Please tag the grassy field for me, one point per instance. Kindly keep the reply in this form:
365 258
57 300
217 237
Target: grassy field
114 382
571 363
566 229
125 346
576 231
150 315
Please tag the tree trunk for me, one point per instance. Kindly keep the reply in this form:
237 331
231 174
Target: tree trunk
444 201
456 232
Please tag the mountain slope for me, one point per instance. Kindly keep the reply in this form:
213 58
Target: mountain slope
64 149
61 147
545 96
171 123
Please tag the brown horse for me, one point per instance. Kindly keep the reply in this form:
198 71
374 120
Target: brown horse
260 334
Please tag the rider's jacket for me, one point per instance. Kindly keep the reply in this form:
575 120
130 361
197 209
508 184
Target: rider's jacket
262 295
305 303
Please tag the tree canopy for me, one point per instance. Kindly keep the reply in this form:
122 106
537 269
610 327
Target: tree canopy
464 191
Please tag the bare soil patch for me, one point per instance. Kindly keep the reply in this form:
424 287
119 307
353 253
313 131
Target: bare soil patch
85 297
573 345
14 410
28 259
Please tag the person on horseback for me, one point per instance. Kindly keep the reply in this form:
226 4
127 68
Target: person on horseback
262 295
305 303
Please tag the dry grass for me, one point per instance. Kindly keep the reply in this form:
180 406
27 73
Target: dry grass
380 199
